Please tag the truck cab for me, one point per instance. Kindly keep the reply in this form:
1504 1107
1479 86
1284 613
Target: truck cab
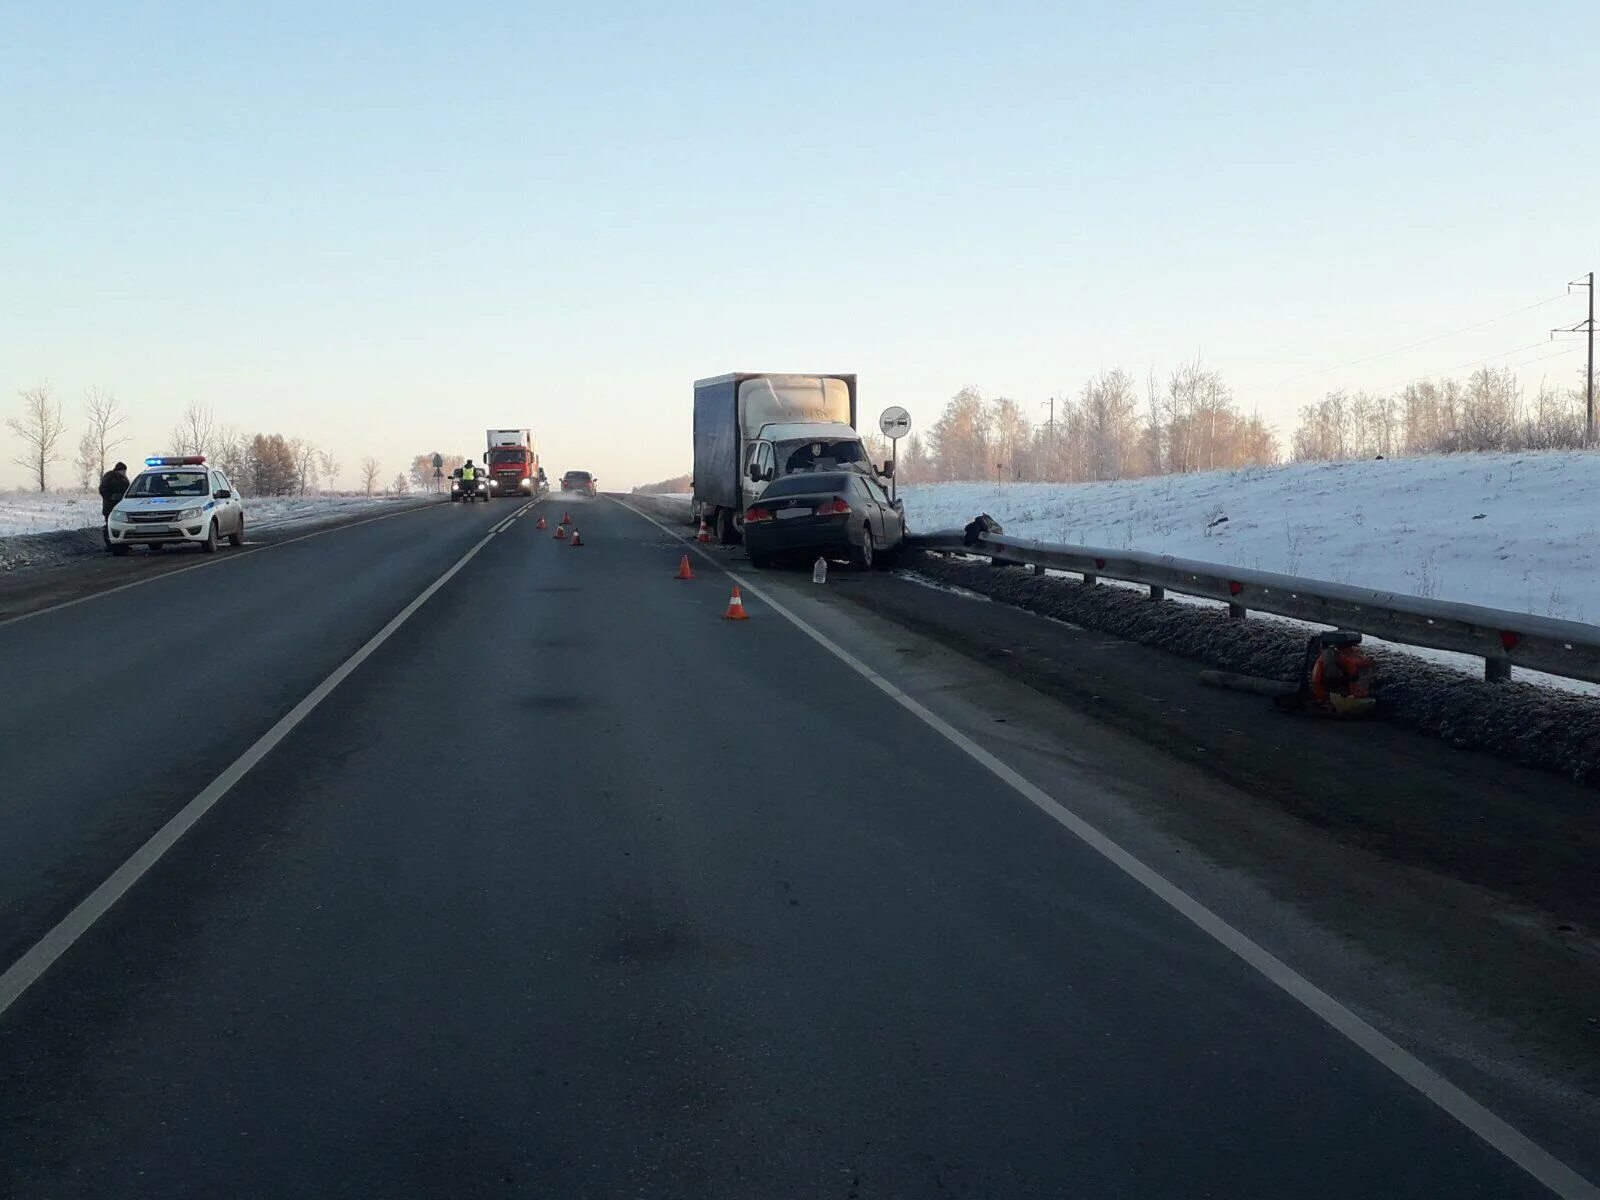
783 449
512 463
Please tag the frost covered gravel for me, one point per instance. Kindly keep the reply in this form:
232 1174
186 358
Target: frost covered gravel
47 529
1527 724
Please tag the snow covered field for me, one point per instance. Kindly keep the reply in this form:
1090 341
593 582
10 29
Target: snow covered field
48 512
1512 531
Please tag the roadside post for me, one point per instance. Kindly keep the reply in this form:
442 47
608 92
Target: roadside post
895 423
438 471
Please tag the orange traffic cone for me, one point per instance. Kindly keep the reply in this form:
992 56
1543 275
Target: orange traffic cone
736 610
566 518
704 535
685 571
543 524
577 538
561 533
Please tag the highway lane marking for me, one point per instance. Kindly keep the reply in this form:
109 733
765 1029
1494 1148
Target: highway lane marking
27 970
1496 1132
213 561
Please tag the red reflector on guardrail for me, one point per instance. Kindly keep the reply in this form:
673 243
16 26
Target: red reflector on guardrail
1235 587
1509 640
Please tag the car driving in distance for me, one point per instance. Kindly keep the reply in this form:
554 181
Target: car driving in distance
827 513
579 481
176 498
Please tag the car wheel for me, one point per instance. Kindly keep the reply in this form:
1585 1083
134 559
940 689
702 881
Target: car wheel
209 546
119 551
237 537
862 555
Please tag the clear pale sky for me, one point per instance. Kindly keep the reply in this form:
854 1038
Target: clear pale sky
389 226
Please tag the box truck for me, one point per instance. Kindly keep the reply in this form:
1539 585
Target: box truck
753 427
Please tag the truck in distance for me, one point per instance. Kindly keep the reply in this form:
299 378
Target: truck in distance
512 462
753 427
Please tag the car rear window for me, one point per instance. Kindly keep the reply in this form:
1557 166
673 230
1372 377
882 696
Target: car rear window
806 483
582 476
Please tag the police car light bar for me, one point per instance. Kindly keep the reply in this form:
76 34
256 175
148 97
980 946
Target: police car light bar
176 460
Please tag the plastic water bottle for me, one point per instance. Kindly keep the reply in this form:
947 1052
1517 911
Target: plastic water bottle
819 572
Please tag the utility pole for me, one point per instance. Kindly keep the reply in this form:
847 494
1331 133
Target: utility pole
1585 326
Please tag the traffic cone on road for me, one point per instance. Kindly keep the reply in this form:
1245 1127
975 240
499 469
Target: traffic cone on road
577 538
736 610
561 533
685 571
566 518
543 524
704 536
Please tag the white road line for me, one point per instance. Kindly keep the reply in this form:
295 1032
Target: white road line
23 973
211 561
1512 1143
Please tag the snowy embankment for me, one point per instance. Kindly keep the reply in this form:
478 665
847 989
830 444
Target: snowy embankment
23 513
1512 531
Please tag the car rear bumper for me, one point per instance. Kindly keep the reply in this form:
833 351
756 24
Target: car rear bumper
836 534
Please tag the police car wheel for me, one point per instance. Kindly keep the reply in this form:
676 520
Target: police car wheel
237 539
209 545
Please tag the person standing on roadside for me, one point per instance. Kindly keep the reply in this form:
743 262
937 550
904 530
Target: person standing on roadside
113 485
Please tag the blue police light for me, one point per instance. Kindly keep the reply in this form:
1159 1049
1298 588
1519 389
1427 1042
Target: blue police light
176 460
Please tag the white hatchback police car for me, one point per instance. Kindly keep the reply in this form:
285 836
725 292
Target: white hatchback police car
177 498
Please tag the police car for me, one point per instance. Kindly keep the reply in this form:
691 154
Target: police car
177 498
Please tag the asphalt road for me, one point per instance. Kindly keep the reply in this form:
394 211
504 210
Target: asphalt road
573 888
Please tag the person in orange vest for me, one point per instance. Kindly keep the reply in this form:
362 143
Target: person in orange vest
1342 676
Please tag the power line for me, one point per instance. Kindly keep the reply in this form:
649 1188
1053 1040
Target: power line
1473 362
1438 337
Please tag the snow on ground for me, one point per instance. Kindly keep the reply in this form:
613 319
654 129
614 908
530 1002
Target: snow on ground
48 512
1512 531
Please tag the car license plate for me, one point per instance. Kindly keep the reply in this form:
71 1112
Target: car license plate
787 514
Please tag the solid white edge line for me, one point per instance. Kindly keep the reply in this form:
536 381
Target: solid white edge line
27 970
1497 1133
213 562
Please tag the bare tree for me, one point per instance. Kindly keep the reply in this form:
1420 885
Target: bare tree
306 460
105 419
369 474
196 431
41 428
401 485
87 462
330 468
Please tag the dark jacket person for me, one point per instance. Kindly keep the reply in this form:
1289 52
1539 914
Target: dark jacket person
113 485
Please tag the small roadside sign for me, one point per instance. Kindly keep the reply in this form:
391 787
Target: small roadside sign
895 423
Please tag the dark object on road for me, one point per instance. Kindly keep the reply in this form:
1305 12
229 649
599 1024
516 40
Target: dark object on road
981 524
843 513
1336 679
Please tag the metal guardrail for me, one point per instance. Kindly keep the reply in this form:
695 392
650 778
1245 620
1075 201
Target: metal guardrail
1502 639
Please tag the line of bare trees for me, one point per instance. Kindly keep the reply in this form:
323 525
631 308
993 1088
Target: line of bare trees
1490 410
41 427
259 464
1186 422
